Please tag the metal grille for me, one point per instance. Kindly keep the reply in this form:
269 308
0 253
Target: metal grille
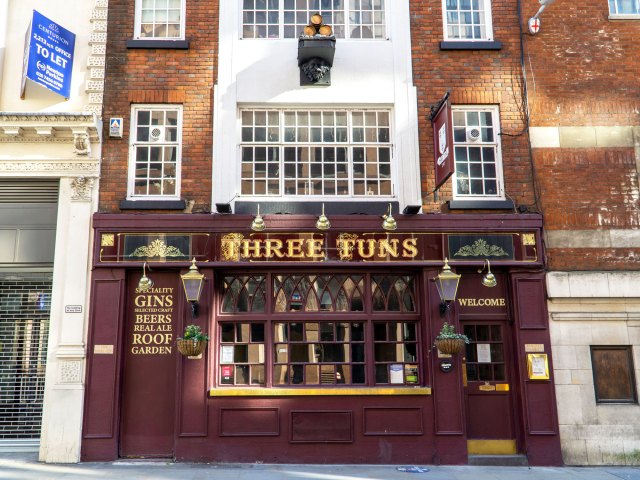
28 191
25 304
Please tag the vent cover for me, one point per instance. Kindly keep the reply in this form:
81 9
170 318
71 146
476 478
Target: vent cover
156 134
28 191
473 134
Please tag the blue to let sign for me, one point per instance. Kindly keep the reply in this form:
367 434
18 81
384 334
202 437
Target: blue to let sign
50 55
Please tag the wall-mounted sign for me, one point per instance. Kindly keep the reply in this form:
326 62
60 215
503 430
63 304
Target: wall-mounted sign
153 322
446 366
312 246
115 127
534 347
73 309
538 366
442 124
49 52
103 349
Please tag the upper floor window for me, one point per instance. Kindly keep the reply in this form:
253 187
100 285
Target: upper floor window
476 142
287 18
159 19
467 20
316 152
154 159
624 7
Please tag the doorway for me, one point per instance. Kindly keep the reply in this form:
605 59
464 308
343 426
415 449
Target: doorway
149 369
488 381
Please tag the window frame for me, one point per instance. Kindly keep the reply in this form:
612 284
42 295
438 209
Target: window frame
137 33
488 22
633 400
270 318
281 145
495 115
134 143
282 26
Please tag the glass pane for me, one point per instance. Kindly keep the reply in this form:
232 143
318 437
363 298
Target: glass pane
482 333
382 374
295 331
227 332
257 374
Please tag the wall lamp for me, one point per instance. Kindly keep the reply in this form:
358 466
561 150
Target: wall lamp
258 223
323 222
192 282
389 222
447 285
489 280
145 283
223 208
412 209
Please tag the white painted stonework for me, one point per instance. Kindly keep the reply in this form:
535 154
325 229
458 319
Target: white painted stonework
366 73
593 308
46 136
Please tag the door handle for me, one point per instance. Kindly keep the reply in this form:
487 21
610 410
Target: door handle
464 371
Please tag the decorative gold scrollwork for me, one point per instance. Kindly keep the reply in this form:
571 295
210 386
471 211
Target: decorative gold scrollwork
481 248
230 247
157 248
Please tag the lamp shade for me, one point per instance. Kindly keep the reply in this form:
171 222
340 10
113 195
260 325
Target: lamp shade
192 282
447 283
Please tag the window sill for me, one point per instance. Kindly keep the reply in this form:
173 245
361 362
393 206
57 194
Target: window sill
290 392
481 205
624 16
152 204
467 45
159 44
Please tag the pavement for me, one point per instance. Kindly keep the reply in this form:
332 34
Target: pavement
25 466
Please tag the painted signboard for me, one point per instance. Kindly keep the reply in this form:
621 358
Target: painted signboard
442 124
49 52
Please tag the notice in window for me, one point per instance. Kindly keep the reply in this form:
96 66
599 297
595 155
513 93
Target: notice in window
411 373
226 375
484 352
226 355
396 373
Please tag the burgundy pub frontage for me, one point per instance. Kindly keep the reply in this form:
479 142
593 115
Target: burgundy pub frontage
321 344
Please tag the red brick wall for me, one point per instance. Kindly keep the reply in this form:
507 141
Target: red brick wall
479 77
161 76
583 70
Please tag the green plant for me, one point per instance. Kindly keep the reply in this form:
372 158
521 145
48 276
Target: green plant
448 331
195 333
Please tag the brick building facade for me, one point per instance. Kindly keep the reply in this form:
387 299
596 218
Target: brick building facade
220 121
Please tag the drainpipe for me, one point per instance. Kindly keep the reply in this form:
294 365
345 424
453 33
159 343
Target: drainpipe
4 20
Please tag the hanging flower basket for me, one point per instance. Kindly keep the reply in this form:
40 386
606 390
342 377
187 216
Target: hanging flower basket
193 342
191 348
449 346
449 341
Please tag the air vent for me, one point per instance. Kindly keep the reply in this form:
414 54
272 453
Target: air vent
473 134
28 191
156 134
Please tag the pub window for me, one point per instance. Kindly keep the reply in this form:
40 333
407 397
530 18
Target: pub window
476 139
624 7
485 353
242 353
318 293
613 374
159 19
358 330
154 161
468 20
314 353
302 153
243 293
287 18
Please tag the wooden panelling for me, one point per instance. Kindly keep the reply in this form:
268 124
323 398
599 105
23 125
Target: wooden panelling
393 421
321 427
249 422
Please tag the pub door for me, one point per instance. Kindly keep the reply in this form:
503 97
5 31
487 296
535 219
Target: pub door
149 370
488 386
